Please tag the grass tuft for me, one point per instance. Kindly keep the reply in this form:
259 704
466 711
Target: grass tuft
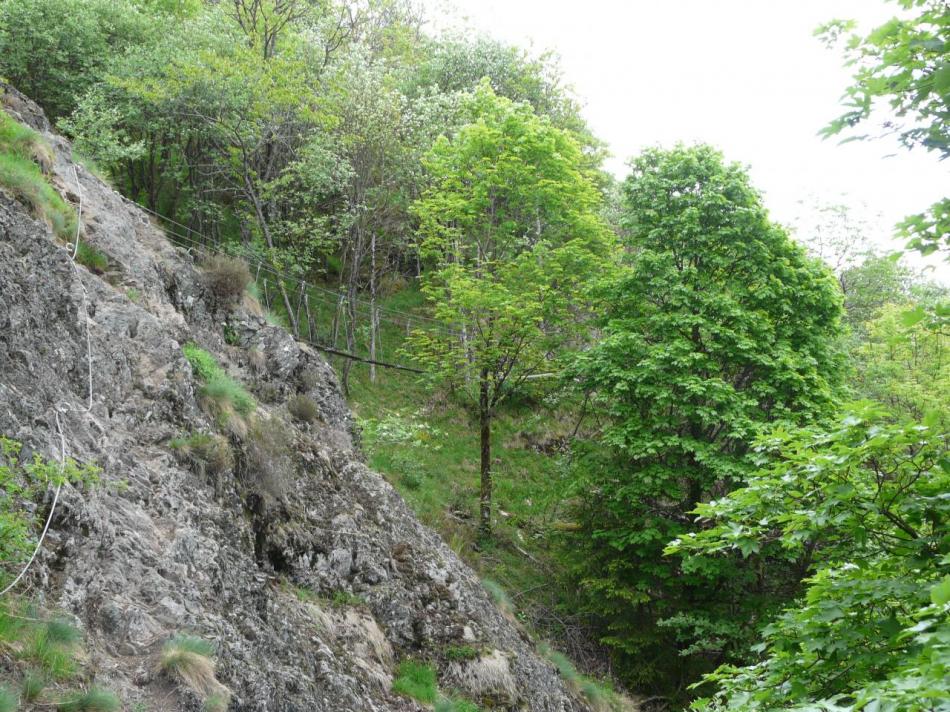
190 661
219 388
227 278
303 408
8 701
454 704
32 686
95 700
92 259
23 156
207 453
416 680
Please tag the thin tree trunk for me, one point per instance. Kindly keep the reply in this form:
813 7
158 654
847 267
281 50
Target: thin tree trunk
372 307
484 415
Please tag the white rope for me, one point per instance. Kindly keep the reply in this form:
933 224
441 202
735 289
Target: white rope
59 487
79 212
59 428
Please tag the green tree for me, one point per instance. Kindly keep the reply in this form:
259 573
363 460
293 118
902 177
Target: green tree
904 63
511 226
720 326
54 50
863 508
905 367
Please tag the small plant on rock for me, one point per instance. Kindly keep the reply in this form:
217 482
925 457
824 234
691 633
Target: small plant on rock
303 408
32 686
92 259
225 396
227 278
207 453
190 662
416 680
94 700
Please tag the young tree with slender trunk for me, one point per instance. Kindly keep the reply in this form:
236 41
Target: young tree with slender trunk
511 227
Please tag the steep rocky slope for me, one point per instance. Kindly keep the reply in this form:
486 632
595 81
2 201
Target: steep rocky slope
160 547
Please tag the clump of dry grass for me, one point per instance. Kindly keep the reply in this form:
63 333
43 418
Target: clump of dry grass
485 678
207 453
303 408
268 456
227 278
190 662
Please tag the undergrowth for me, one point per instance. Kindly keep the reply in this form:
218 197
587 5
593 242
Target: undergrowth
226 395
23 153
416 680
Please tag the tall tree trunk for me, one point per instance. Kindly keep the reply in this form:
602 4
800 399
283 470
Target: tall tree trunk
372 307
484 416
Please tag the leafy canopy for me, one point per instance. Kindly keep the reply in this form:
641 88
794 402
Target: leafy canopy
719 326
863 507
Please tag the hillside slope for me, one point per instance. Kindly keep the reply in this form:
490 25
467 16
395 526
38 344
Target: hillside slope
304 567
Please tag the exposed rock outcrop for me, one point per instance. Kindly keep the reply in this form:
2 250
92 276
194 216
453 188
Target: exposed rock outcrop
159 548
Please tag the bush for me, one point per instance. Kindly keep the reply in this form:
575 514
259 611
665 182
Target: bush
227 395
208 454
415 680
95 700
190 661
227 278
303 408
91 258
268 456
22 151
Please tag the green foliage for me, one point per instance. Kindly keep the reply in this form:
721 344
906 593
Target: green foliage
91 258
227 394
719 326
96 699
903 63
8 701
498 595
416 680
22 156
22 481
345 599
53 50
861 508
511 223
460 652
903 366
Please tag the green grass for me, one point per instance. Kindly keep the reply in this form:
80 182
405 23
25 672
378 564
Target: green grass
21 150
91 258
454 704
8 702
94 700
218 386
32 686
416 680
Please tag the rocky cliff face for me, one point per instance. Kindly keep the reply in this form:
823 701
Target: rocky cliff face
161 547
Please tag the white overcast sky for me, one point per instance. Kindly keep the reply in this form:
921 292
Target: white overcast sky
747 76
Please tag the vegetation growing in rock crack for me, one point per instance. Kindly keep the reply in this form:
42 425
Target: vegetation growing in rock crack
224 395
189 661
416 680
